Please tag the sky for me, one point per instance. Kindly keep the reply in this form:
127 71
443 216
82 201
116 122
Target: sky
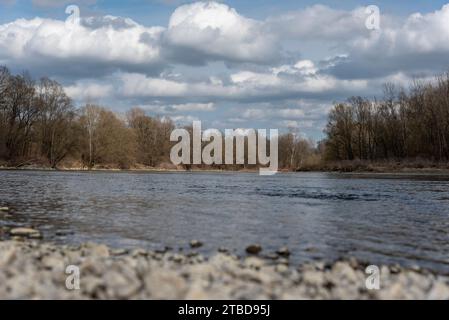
231 64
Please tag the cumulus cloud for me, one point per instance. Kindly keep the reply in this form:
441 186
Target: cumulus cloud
302 80
57 46
87 91
319 22
214 31
184 107
420 44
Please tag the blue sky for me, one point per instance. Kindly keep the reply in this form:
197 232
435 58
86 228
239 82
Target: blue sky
231 64
158 11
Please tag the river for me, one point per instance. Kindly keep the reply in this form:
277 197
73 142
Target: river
376 218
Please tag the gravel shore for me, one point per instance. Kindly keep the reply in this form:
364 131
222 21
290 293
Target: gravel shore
31 269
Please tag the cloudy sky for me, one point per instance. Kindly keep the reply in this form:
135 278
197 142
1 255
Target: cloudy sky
231 64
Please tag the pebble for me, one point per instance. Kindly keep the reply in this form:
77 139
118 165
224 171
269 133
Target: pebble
254 249
35 270
25 232
119 252
281 268
196 244
271 256
284 252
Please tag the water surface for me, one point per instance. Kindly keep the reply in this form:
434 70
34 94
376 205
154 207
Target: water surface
376 218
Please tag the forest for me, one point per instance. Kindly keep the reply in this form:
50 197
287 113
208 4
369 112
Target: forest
403 125
41 126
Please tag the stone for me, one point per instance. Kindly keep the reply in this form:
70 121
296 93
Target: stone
284 252
254 263
4 209
439 291
271 256
24 232
313 278
196 244
281 268
165 284
223 250
119 252
139 252
254 249
100 250
121 283
7 256
53 263
178 258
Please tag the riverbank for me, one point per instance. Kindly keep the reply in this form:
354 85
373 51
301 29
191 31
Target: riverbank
31 269
371 170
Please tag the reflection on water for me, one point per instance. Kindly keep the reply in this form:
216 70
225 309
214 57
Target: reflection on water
379 219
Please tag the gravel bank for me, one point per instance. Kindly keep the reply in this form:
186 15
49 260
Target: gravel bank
36 270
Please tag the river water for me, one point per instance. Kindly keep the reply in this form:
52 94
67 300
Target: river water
320 216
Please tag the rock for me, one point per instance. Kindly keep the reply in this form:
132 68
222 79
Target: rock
223 250
139 252
281 268
254 263
196 244
191 254
284 252
4 209
7 256
254 249
36 235
271 256
165 284
313 278
395 269
119 252
162 250
53 263
99 250
178 258
25 232
439 291
121 283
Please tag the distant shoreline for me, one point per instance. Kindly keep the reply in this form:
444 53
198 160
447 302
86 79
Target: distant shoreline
373 171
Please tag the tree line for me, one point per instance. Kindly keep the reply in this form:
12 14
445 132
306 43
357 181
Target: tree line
39 125
404 124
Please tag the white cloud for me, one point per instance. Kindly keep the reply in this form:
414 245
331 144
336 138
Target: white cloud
320 22
273 113
175 108
418 44
194 107
420 33
220 32
86 91
46 42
